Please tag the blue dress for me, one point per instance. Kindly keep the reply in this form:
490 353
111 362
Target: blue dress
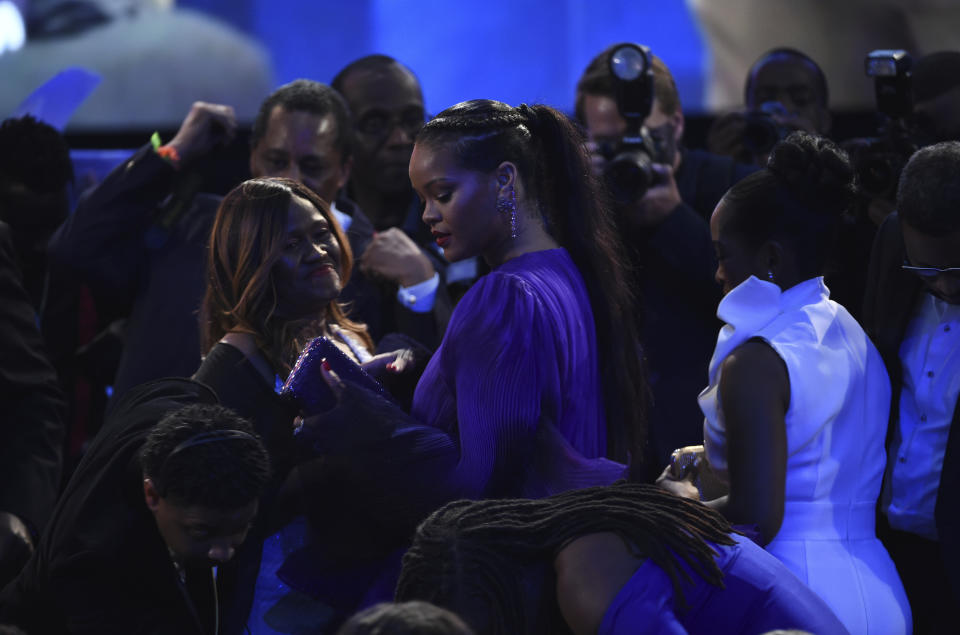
510 405
759 595
516 384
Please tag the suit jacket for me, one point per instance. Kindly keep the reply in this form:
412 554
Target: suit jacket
890 298
31 404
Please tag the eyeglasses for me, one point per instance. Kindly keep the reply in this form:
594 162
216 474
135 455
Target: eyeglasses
931 273
381 124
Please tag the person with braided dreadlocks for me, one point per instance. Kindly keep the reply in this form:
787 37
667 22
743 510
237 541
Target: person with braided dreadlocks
628 558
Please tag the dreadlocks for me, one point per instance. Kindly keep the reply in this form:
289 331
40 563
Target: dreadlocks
475 551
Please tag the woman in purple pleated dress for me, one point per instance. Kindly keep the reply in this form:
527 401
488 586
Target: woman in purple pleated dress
537 386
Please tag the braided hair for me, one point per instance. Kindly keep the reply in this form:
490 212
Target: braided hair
470 556
554 165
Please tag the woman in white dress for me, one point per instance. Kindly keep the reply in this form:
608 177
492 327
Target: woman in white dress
796 409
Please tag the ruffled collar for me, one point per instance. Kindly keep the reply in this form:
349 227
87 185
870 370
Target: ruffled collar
755 302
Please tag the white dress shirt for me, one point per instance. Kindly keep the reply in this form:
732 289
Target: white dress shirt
930 357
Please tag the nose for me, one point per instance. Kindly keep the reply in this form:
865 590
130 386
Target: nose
316 251
719 275
399 136
292 172
429 215
221 551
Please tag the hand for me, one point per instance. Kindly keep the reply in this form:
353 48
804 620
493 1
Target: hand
660 200
394 256
205 127
16 546
301 423
726 136
394 362
684 488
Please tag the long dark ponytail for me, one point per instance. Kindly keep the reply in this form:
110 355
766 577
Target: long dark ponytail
550 154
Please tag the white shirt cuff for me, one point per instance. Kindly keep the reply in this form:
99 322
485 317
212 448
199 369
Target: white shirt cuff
420 297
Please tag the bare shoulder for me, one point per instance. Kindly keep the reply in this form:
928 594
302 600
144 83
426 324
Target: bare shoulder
591 570
754 368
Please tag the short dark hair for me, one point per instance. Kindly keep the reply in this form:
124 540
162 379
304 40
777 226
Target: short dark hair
784 51
476 556
405 618
599 81
928 198
304 95
35 154
374 62
227 473
799 198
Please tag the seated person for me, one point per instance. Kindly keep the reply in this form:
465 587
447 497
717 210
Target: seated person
164 495
405 618
618 559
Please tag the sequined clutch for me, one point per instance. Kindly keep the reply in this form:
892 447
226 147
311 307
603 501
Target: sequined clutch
306 387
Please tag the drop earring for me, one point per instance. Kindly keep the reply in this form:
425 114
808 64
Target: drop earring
508 206
770 276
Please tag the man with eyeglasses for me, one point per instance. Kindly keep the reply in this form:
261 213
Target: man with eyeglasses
386 102
912 312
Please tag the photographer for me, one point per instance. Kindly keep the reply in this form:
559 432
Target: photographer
785 91
666 227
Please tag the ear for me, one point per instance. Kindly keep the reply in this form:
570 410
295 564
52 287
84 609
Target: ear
345 173
506 177
150 495
770 259
677 120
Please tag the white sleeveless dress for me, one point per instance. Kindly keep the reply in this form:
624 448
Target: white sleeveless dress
836 424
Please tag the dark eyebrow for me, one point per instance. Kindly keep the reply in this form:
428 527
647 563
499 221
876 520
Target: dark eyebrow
439 178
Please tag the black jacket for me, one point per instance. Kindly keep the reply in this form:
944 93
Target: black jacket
101 566
31 404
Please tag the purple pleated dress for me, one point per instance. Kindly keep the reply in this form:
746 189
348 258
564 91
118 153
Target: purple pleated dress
516 383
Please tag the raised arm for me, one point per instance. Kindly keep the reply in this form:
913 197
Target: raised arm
105 237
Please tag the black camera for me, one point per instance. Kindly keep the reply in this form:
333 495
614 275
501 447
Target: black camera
628 171
879 160
763 128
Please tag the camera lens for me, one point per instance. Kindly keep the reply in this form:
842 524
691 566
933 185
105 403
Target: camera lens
629 175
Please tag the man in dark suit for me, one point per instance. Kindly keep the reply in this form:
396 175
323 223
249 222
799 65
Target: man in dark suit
912 312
